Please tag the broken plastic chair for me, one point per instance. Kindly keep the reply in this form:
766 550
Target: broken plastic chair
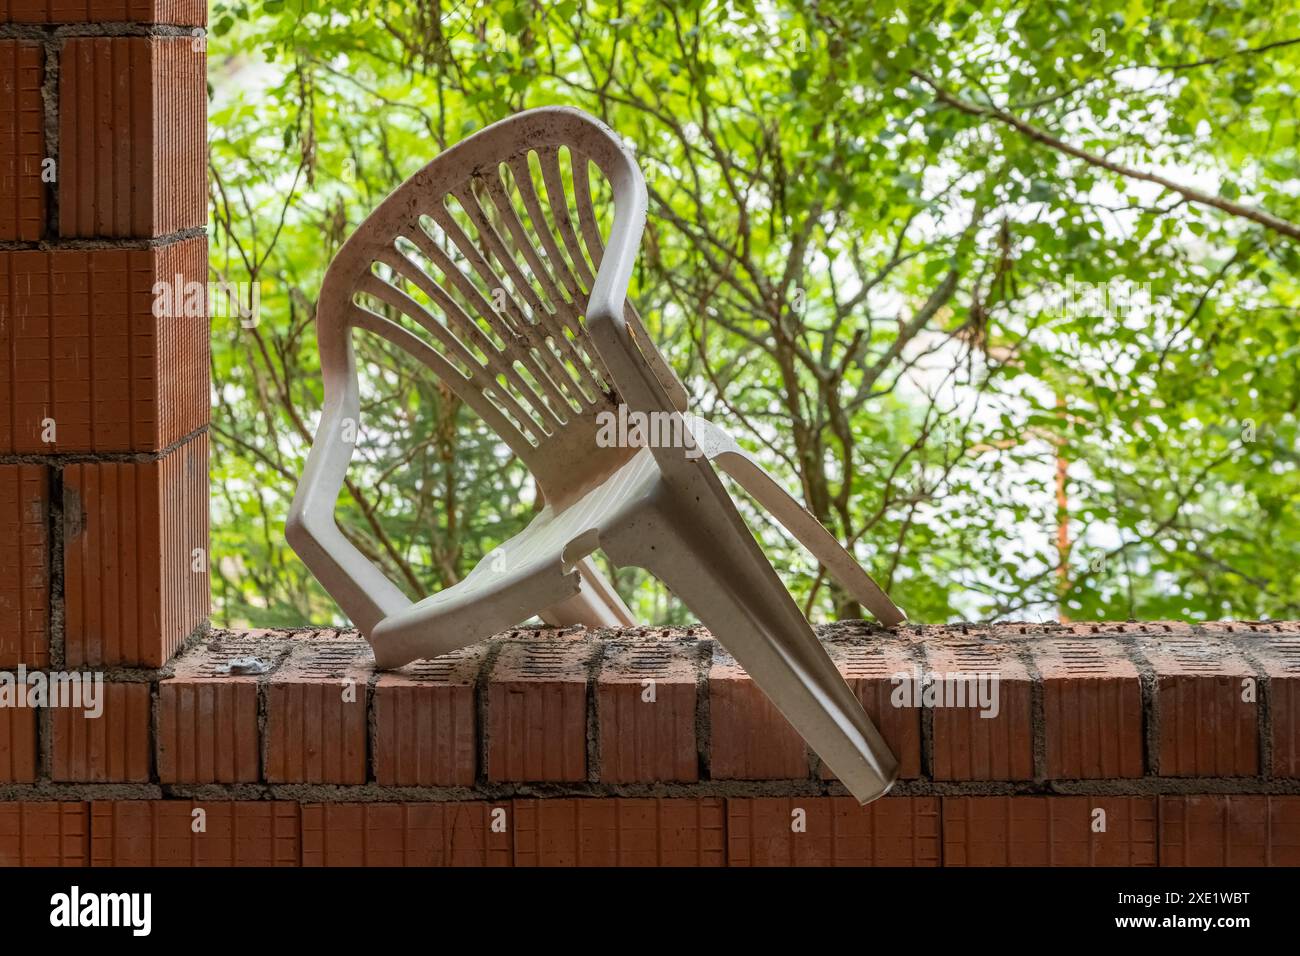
525 319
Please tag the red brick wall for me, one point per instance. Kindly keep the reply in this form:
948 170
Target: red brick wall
1131 745
104 397
646 747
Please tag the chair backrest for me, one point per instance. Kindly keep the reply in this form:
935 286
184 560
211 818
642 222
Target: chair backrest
485 259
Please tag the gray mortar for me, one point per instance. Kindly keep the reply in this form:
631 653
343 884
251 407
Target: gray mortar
374 793
1263 703
594 661
50 105
52 40
481 710
1150 709
1037 710
61 460
703 709
125 242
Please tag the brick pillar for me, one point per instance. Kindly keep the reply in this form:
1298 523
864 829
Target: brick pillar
104 391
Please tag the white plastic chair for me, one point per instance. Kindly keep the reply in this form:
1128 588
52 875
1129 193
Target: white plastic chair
525 318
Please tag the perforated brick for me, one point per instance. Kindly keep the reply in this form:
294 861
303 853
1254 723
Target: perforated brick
1230 830
832 831
44 834
1280 656
24 565
1054 830
112 747
537 711
132 136
316 713
405 834
208 722
1207 707
87 363
967 745
22 140
194 833
1092 709
18 763
619 832
135 538
646 710
426 722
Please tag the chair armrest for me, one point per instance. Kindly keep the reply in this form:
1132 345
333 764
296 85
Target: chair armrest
364 593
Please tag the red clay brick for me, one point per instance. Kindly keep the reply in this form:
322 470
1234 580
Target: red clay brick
1092 709
1236 830
1049 831
207 728
314 734
171 833
426 722
184 400
44 834
84 361
894 831
870 670
645 709
1280 656
208 714
537 712
618 831
1205 728
405 834
182 13
132 124
130 530
18 742
24 565
968 746
112 748
22 140
749 739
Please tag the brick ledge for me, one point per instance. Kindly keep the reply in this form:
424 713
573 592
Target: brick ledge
539 747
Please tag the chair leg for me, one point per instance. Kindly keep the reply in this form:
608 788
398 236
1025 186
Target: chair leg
723 450
597 604
699 553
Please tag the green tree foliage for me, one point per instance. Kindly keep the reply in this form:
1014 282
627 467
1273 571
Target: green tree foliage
922 257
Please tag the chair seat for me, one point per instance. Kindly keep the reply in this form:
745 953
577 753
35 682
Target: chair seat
532 570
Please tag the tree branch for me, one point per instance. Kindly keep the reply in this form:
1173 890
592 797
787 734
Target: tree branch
1265 219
